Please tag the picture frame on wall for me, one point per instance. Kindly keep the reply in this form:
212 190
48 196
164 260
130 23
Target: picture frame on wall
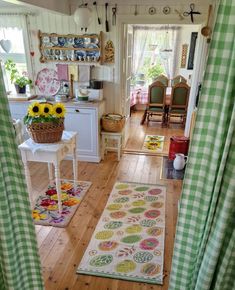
192 50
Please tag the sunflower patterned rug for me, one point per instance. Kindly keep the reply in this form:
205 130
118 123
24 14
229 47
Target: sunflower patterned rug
153 143
128 242
46 208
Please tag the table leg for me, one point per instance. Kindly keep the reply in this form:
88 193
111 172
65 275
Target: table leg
75 168
119 147
102 147
28 182
50 171
58 185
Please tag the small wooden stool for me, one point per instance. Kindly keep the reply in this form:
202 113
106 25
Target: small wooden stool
116 145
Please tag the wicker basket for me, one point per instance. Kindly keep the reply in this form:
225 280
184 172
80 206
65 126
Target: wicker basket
113 122
49 132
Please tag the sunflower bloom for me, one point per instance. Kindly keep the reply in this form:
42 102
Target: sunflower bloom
35 109
59 110
47 110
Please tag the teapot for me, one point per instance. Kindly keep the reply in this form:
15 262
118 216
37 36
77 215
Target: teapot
179 161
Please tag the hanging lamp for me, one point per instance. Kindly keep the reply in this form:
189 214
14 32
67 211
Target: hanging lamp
82 17
166 51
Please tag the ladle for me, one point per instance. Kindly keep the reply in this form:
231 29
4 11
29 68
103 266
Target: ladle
206 30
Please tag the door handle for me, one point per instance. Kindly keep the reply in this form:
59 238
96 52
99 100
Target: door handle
76 110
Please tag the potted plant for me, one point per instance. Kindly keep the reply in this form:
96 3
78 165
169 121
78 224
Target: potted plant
19 80
45 122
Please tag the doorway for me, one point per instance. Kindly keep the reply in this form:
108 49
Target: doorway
152 50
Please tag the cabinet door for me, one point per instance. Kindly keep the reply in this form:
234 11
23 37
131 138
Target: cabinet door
85 122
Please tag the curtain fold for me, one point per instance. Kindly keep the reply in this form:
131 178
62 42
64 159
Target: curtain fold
204 251
161 36
19 259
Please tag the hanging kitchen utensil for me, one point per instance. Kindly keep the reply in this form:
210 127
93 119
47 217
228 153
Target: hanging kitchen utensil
106 18
114 10
181 17
136 11
206 30
191 12
95 4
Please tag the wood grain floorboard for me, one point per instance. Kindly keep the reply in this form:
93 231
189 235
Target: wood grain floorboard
61 249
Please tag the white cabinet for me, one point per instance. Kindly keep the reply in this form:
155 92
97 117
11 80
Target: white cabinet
81 118
85 121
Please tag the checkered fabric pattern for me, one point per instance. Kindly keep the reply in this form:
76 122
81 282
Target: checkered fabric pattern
19 261
204 253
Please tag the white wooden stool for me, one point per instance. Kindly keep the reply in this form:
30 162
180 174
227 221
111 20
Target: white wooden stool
113 142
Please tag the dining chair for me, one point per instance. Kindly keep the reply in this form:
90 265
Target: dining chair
178 79
179 103
163 79
156 101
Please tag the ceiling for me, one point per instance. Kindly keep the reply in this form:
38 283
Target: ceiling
8 6
15 8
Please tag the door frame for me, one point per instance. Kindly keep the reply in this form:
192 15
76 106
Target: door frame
200 59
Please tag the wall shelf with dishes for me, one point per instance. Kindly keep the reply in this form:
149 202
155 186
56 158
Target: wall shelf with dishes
86 48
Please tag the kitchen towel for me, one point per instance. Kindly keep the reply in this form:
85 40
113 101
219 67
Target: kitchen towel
84 73
73 70
62 72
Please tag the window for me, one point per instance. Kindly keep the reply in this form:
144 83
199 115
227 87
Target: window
17 52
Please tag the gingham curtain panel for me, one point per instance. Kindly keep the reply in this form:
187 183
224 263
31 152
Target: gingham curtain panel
204 251
19 260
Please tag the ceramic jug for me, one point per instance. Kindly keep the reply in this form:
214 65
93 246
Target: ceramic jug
179 161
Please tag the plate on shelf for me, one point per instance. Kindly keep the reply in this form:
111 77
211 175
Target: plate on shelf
61 41
54 40
70 41
95 40
46 40
78 42
80 54
92 45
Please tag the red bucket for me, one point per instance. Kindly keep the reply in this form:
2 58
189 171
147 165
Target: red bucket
178 144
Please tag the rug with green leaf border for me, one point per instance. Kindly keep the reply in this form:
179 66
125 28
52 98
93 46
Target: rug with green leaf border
128 242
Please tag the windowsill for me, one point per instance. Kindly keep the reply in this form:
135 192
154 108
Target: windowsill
21 97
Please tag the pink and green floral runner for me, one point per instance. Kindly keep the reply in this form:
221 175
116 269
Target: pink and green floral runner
128 242
46 208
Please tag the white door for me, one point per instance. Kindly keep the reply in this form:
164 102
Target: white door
127 63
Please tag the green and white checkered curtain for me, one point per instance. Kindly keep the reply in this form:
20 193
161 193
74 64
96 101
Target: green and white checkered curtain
19 260
204 252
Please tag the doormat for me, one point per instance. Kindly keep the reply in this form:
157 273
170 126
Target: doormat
153 143
46 208
128 242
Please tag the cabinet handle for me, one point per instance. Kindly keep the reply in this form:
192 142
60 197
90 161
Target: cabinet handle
76 110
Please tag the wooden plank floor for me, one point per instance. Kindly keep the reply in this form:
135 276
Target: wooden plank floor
138 132
61 249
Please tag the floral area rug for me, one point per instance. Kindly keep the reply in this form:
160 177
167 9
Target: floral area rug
128 242
46 208
153 143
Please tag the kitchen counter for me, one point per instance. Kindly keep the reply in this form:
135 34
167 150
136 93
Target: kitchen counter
81 117
26 99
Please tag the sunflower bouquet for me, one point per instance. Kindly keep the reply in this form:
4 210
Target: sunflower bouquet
45 122
44 112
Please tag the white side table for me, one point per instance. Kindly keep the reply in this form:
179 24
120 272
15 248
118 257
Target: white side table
113 142
50 153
